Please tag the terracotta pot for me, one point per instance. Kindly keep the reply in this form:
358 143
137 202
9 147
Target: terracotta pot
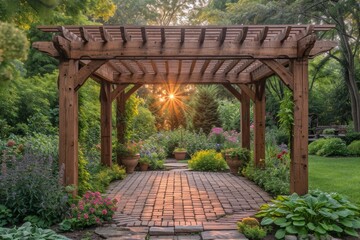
144 166
234 164
130 163
180 155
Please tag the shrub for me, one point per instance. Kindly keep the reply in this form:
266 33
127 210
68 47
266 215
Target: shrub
250 227
274 177
317 213
5 216
333 147
328 147
329 131
29 232
154 153
101 180
30 187
351 136
207 160
92 209
354 148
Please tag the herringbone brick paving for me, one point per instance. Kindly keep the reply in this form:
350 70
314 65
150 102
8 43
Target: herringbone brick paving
180 198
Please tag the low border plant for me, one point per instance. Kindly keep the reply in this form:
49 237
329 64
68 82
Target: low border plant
317 213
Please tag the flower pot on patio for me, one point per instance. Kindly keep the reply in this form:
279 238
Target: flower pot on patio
144 166
180 153
236 158
130 163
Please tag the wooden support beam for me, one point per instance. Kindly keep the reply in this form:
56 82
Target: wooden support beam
86 71
229 67
204 67
245 120
179 67
193 63
136 50
284 34
115 93
299 136
182 36
132 90
84 35
246 90
106 125
105 36
263 71
62 45
263 34
259 124
124 35
161 78
240 38
233 91
305 45
202 36
153 64
244 66
46 47
217 66
163 37
143 35
68 123
285 75
222 36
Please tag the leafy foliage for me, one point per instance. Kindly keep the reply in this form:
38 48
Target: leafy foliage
354 148
100 181
316 213
5 215
351 136
29 232
285 114
207 160
229 114
143 125
154 153
328 147
30 187
274 177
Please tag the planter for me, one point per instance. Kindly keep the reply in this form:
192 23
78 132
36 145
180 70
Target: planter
234 163
144 166
130 163
180 155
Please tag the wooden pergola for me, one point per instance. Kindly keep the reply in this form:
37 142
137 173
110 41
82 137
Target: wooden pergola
240 58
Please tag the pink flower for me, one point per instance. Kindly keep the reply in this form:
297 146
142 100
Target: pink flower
252 126
104 212
92 210
86 216
98 220
217 130
81 207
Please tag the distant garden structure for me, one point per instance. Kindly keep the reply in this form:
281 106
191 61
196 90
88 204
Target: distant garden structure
240 58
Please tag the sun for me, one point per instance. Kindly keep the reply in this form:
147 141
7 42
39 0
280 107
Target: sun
171 96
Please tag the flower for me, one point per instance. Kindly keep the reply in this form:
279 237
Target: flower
10 143
86 216
104 212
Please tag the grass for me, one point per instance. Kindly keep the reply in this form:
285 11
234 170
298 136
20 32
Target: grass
338 174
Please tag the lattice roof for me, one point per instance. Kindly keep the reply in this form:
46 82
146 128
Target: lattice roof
199 54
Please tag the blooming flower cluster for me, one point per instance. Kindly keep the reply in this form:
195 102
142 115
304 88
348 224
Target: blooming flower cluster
281 155
92 209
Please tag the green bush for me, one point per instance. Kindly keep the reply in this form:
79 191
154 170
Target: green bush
351 136
354 148
317 213
274 177
207 160
329 131
5 216
101 180
29 232
316 145
30 187
328 147
251 228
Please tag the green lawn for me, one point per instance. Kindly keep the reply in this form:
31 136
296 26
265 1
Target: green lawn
338 174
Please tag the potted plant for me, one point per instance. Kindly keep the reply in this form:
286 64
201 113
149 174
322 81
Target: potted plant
180 153
236 158
144 163
129 155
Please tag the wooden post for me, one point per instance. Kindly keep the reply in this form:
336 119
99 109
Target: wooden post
245 121
299 138
68 123
259 123
120 119
106 128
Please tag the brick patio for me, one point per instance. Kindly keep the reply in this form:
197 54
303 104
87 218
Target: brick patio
203 200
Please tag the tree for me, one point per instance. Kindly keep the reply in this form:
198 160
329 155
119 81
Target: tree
206 114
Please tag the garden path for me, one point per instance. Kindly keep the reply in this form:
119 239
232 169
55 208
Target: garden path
178 202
